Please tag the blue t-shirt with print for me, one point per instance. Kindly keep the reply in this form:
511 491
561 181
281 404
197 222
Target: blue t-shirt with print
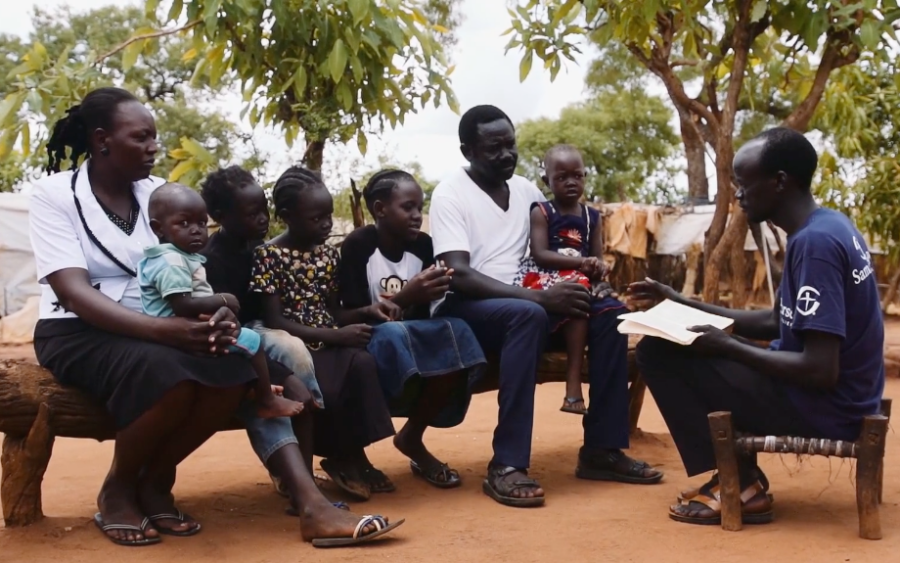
829 286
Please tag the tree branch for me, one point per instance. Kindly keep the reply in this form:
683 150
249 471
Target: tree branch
154 35
832 59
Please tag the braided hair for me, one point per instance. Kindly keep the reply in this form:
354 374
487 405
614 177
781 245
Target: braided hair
291 183
74 131
381 186
219 187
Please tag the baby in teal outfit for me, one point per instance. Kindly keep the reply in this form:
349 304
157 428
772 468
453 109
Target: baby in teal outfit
173 282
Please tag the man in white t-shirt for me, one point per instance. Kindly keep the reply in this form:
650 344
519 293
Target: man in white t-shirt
480 225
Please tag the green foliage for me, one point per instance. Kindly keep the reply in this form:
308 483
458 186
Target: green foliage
63 59
12 171
859 175
329 71
343 195
625 138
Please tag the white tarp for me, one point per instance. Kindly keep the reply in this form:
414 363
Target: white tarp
18 280
679 231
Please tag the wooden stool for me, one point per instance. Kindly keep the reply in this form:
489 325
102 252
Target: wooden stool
868 450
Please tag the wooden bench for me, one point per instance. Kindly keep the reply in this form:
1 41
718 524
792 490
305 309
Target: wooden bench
34 409
868 450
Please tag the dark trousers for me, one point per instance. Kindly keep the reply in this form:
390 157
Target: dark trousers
687 387
518 330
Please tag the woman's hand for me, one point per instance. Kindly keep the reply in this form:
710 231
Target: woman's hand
211 334
428 285
647 293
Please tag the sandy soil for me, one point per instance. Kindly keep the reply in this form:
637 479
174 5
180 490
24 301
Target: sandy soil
224 486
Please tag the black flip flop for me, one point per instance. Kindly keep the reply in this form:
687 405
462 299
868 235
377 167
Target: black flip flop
357 489
376 479
142 529
516 502
568 407
381 526
182 518
450 480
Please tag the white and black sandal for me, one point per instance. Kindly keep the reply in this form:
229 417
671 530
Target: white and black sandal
142 529
381 528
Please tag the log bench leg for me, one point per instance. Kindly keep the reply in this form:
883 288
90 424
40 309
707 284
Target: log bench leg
24 462
724 446
885 412
869 460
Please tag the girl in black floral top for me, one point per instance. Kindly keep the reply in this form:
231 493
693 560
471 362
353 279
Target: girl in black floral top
297 274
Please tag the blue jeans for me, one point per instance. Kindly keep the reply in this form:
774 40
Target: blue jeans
291 352
267 436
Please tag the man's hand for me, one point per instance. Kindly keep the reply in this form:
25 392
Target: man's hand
712 341
645 294
384 311
568 299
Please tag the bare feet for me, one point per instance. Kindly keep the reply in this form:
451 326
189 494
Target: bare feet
324 520
273 406
155 501
118 505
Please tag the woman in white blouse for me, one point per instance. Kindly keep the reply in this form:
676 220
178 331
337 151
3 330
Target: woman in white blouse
165 381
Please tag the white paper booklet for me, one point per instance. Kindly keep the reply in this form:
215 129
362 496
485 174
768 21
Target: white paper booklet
670 321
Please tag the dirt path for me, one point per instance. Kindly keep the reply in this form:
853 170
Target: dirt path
224 486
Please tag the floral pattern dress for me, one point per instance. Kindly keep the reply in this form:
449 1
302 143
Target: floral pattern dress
304 281
570 235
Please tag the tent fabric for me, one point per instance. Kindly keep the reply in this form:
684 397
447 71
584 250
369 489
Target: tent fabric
679 231
18 328
18 277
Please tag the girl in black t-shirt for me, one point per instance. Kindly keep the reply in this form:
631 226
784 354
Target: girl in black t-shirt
424 365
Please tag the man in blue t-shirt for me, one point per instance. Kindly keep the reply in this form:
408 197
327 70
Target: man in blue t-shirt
824 370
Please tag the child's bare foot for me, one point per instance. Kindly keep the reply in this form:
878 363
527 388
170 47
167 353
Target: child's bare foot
273 406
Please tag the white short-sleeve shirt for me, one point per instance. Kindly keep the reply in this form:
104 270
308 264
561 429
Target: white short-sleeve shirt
60 241
465 219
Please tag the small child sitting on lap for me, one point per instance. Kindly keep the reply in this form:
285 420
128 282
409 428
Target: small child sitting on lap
566 246
173 282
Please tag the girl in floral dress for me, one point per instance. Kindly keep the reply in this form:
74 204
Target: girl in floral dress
296 273
566 246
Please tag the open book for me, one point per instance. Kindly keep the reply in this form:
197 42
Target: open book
670 321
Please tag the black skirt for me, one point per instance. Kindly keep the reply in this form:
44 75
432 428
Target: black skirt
356 413
128 375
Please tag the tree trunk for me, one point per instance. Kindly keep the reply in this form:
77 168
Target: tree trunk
891 292
312 158
24 461
356 206
756 231
735 234
698 183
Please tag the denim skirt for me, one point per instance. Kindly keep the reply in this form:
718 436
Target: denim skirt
408 352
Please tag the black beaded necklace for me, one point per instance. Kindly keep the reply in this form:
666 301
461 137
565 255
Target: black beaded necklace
125 225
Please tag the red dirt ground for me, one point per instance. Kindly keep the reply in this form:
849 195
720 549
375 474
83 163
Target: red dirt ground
224 486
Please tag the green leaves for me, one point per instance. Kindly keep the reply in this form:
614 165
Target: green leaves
760 7
525 65
337 61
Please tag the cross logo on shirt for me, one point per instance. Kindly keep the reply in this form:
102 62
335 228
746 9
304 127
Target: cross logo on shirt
807 301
